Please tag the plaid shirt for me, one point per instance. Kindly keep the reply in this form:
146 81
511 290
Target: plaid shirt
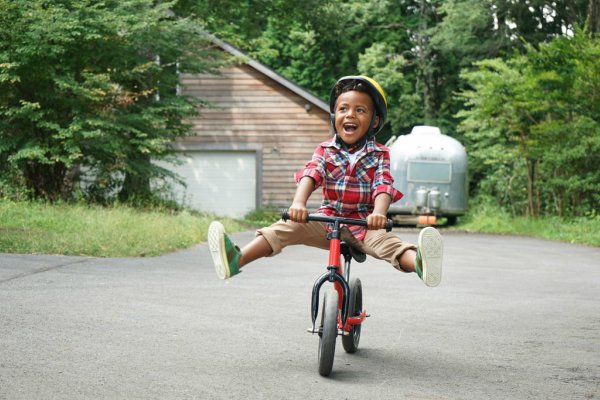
350 191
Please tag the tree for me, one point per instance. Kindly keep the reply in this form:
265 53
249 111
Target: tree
295 53
532 124
593 22
93 84
386 67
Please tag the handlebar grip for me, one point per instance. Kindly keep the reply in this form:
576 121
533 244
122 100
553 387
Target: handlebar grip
285 216
389 225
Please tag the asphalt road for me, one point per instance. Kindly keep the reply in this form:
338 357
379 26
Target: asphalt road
514 318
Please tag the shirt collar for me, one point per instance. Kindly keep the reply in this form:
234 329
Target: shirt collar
372 145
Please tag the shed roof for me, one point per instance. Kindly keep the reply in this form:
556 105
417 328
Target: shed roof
305 94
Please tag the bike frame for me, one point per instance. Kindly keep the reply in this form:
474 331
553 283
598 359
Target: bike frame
335 274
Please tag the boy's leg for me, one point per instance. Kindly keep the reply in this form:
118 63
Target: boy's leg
425 260
257 248
282 234
228 258
389 247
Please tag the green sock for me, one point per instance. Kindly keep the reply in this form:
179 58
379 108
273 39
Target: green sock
418 267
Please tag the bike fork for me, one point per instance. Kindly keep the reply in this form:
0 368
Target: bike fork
340 283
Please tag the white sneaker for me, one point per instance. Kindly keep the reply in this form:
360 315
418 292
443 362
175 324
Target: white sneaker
429 256
224 252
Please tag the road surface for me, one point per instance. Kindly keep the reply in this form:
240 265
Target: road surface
514 318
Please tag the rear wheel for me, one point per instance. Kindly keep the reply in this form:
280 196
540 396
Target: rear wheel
328 331
350 341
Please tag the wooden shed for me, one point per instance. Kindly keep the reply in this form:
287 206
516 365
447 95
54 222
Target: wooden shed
245 148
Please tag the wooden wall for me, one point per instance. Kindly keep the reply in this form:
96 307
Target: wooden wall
250 108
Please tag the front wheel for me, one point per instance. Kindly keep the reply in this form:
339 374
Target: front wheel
350 341
328 331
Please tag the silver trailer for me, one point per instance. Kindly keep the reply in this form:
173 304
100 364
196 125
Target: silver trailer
431 170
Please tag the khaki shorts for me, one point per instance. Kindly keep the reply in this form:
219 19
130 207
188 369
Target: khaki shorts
379 244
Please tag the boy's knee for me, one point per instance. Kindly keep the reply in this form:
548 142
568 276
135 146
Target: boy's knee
271 237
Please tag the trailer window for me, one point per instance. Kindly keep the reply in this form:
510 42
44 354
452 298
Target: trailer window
427 171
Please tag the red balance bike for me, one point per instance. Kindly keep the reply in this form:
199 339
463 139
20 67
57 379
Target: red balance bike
341 311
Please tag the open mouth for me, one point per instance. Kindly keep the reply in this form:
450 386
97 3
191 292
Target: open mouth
350 128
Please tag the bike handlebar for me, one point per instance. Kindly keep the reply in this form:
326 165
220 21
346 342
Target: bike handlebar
348 221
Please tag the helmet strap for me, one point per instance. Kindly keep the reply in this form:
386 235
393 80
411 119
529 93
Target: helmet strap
371 131
351 148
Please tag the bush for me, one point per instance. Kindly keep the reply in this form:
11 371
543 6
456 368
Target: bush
486 216
263 216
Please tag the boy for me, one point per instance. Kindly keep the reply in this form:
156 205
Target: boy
354 172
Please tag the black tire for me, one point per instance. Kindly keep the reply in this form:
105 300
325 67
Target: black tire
329 313
351 341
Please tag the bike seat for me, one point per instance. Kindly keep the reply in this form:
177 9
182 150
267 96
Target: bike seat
347 250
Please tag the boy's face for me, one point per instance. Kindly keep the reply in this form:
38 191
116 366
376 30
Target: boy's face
353 113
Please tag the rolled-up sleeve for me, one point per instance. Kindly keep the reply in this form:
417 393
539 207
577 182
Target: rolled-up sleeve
383 182
315 168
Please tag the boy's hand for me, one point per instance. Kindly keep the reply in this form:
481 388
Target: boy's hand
298 212
376 221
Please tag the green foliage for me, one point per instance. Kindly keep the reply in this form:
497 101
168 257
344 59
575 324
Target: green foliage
487 216
263 217
533 130
426 42
514 127
294 53
116 231
381 63
93 85
87 89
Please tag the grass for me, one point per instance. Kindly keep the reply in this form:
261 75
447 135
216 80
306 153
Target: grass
263 217
122 231
488 218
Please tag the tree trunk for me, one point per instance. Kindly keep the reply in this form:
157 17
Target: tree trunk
538 197
593 18
531 187
135 186
46 181
423 60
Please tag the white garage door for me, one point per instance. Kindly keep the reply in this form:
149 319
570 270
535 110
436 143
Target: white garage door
221 182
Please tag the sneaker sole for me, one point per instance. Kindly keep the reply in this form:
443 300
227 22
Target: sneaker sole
216 245
432 248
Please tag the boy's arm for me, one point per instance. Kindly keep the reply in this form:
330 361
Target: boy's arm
297 210
378 218
384 193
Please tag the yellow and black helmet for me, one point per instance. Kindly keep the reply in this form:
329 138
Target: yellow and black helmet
372 88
